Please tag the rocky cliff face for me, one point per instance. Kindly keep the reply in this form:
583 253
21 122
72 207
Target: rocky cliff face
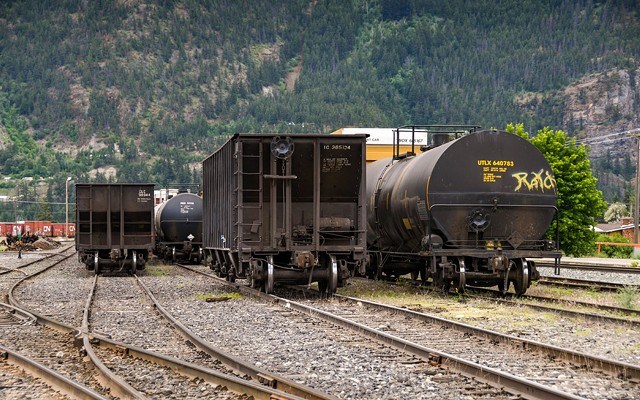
596 108
603 104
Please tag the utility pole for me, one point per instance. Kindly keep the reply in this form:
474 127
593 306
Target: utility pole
636 220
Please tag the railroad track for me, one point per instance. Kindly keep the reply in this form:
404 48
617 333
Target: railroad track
511 299
121 365
581 283
282 384
497 350
118 361
333 356
590 267
374 320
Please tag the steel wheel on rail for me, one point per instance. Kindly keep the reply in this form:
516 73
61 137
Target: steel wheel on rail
268 281
329 285
462 280
96 263
134 261
521 283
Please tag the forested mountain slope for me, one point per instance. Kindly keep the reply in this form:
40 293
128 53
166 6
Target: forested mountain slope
138 90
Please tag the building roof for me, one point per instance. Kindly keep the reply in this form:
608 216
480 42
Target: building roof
610 228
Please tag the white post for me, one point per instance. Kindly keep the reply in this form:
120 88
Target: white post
66 209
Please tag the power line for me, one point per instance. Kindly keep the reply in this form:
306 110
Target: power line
596 140
613 140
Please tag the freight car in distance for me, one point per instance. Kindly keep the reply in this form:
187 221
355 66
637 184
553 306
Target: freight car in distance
114 225
472 210
178 224
286 208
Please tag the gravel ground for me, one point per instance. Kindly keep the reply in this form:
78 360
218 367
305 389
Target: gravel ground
15 384
323 356
300 347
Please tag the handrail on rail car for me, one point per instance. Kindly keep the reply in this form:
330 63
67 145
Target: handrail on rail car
430 130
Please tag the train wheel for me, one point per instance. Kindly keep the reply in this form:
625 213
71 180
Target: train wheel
521 283
134 261
332 281
268 281
330 284
173 254
462 280
96 263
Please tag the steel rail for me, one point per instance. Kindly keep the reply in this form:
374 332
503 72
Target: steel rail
117 385
278 382
48 256
614 368
50 377
491 376
494 377
40 319
510 300
581 283
84 339
511 296
590 267
25 316
233 383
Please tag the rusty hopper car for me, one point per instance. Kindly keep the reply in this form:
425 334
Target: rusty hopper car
473 210
114 225
286 208
178 224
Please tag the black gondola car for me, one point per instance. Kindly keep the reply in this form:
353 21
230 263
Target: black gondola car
473 210
178 224
286 208
114 225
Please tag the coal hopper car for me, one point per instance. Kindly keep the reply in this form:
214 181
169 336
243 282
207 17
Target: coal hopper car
178 224
114 225
471 210
286 208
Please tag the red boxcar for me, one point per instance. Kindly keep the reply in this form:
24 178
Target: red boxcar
15 228
35 227
57 229
5 227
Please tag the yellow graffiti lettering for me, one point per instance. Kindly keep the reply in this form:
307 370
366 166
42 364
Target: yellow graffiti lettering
535 181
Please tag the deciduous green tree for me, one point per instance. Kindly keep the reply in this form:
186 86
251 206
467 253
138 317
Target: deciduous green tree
579 202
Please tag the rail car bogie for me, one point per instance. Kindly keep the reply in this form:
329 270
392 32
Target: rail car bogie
286 209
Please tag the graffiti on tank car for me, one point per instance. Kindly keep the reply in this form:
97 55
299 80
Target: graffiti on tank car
535 181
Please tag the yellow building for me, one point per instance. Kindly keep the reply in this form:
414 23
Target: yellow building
380 141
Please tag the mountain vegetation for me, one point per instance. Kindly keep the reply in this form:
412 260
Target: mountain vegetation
138 90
